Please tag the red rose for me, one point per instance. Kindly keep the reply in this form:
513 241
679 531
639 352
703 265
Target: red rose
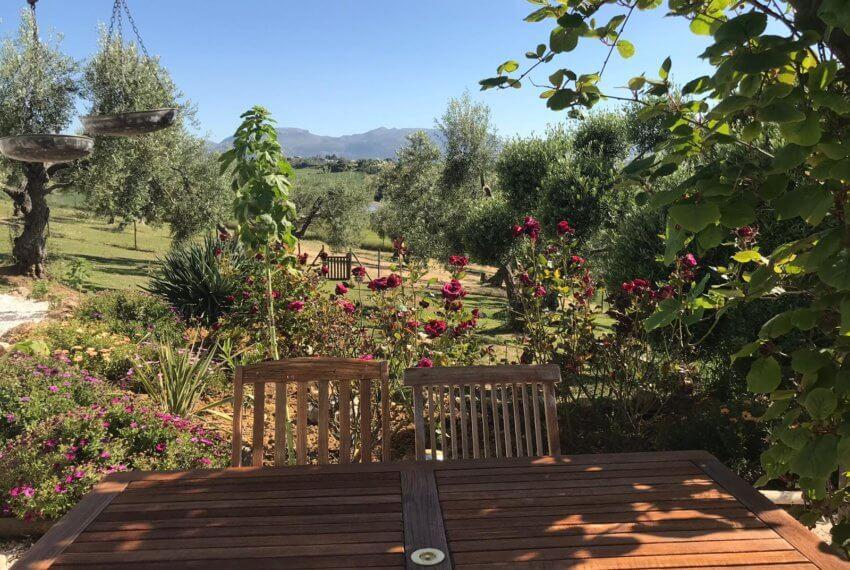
412 324
348 307
324 270
526 279
531 227
564 228
435 327
393 280
688 261
540 291
378 284
367 357
341 289
425 362
359 272
516 231
453 290
295 306
230 298
217 252
459 261
577 260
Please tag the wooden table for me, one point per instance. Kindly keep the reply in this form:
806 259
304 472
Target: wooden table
640 510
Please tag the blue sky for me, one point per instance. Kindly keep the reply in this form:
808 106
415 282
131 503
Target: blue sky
346 66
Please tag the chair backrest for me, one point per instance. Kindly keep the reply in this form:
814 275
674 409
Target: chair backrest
343 393
504 401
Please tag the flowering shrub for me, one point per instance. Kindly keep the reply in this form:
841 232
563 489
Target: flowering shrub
93 346
132 313
46 470
34 389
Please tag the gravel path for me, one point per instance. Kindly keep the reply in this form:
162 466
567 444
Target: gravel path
16 311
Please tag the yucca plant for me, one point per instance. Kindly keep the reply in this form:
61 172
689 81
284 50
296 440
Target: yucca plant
177 379
191 279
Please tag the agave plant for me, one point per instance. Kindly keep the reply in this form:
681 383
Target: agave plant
191 279
177 379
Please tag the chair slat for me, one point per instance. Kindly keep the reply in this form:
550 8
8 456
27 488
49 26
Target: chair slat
281 442
526 417
473 421
419 422
517 424
345 421
453 420
441 400
323 423
365 421
497 432
259 424
506 423
386 431
301 427
238 400
551 412
485 421
538 429
463 430
432 429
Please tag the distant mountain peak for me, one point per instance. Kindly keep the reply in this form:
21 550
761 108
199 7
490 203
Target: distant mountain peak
381 142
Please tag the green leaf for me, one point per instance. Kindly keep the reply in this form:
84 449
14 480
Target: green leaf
666 313
789 156
664 72
764 375
747 350
820 403
808 361
818 459
637 83
811 203
731 104
698 85
508 67
702 25
710 237
625 48
805 133
835 272
780 112
563 40
695 217
748 256
741 28
777 326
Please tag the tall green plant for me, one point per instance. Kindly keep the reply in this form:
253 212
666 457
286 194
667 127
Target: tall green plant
260 177
177 379
776 107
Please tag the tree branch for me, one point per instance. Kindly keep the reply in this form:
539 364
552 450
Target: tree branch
57 186
13 193
54 168
308 219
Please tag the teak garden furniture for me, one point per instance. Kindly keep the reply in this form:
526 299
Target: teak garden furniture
631 510
343 387
458 408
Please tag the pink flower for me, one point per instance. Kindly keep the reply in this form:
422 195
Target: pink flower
425 362
540 291
367 357
59 488
688 261
412 324
295 306
393 280
324 270
577 260
359 272
159 447
525 279
217 252
435 328
564 228
453 290
341 289
53 388
516 231
459 261
348 307
276 295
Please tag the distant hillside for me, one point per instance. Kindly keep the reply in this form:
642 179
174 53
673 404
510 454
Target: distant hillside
377 143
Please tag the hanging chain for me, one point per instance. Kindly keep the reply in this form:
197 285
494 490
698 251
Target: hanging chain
29 104
115 21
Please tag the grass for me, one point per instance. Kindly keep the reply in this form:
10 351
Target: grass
73 234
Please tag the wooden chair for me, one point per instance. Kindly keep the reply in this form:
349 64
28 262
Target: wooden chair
333 379
442 395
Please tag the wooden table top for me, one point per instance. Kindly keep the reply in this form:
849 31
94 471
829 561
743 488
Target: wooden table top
635 510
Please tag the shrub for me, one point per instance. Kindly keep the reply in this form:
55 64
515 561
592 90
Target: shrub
198 278
132 313
47 470
35 389
91 345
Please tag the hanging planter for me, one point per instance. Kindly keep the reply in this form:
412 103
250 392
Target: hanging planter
42 148
46 148
127 123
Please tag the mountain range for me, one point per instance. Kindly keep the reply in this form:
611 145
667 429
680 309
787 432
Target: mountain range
377 143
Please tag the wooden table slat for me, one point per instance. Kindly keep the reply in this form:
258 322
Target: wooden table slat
606 511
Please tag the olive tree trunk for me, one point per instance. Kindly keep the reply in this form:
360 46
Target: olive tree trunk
30 201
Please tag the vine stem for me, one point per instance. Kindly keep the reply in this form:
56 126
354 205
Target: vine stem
272 324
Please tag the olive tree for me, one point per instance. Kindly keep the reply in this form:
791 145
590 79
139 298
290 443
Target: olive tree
37 95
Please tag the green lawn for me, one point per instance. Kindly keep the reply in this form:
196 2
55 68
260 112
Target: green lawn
115 263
